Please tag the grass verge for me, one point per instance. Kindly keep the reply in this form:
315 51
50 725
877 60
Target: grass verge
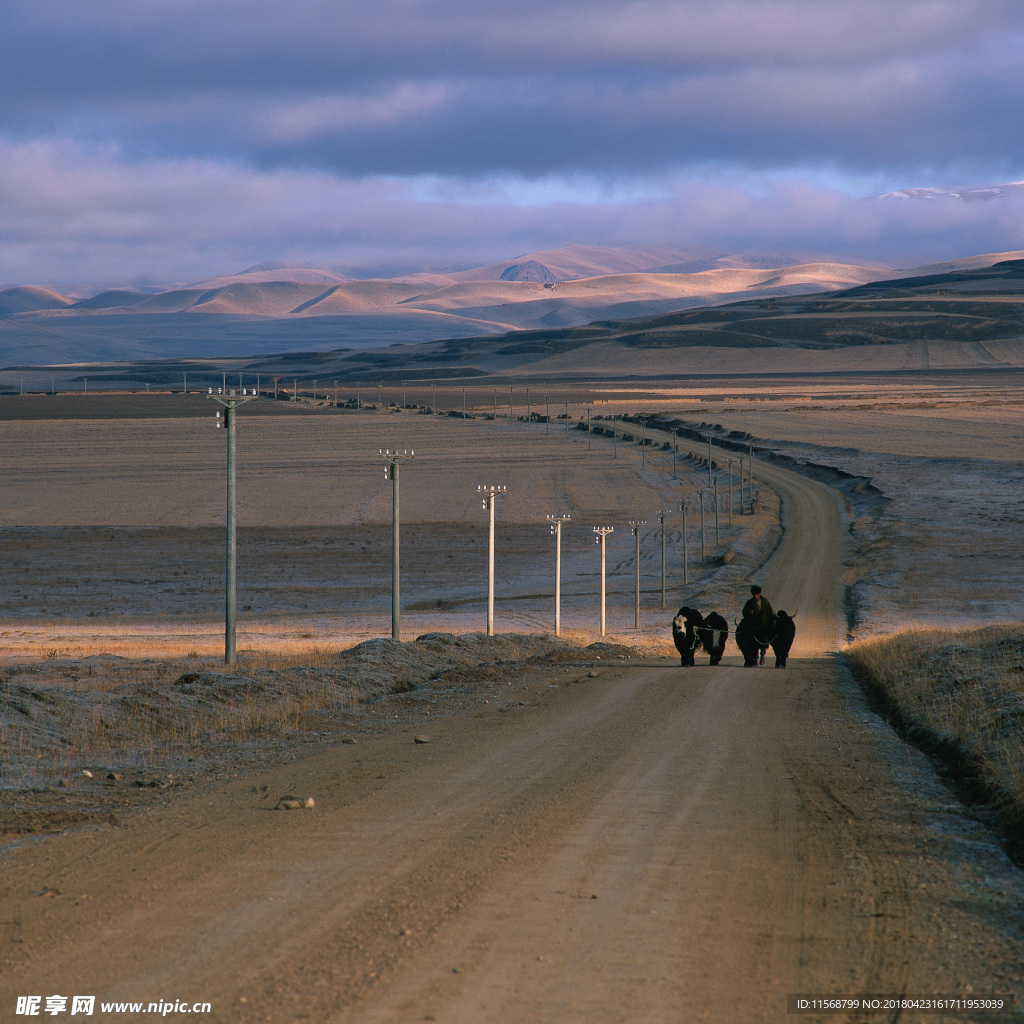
959 696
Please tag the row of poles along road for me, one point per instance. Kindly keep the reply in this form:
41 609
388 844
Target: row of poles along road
394 458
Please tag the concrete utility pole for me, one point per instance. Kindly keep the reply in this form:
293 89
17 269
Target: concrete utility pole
718 536
700 495
602 532
226 419
643 444
394 458
709 460
615 440
555 522
589 445
683 506
728 463
489 494
675 448
750 476
547 416
661 520
635 527
528 414
184 383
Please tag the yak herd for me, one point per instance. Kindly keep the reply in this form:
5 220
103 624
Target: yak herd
759 628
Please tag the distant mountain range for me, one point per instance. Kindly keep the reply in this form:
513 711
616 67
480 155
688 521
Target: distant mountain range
275 307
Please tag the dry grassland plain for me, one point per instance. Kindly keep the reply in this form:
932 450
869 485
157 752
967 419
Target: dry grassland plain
608 845
113 528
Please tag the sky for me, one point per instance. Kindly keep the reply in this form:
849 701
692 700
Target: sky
153 142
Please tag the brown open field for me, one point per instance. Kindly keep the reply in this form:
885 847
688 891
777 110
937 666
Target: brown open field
109 524
591 834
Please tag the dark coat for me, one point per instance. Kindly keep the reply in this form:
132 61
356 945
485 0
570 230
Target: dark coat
762 612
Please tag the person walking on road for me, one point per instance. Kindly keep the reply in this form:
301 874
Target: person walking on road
760 610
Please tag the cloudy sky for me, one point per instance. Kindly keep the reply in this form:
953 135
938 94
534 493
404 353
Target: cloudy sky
153 141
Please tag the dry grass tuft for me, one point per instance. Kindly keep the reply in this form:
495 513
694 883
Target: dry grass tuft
960 695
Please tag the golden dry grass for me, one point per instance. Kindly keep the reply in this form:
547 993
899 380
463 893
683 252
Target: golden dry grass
961 694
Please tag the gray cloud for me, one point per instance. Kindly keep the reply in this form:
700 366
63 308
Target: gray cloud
174 138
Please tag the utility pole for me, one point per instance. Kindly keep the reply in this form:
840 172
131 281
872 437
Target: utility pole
528 415
661 519
227 419
589 439
635 527
709 460
728 463
463 403
718 536
184 383
643 444
700 495
555 523
489 494
602 532
566 422
683 506
750 476
510 417
547 416
394 459
494 407
675 448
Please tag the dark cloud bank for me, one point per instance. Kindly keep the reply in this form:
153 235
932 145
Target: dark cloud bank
170 139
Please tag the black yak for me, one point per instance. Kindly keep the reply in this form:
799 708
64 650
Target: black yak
749 640
782 639
685 633
714 636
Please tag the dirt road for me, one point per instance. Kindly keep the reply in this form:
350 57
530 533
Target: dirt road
644 844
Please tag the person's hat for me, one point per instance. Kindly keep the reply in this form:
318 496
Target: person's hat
755 589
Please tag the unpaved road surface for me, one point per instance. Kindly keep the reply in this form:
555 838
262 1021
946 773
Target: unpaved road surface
642 844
